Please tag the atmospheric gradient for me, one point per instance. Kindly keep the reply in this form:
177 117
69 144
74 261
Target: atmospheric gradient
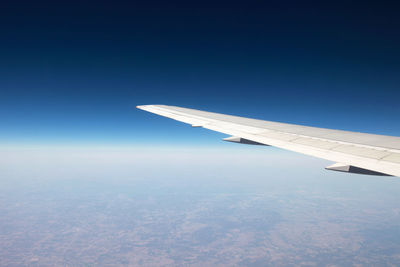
86 179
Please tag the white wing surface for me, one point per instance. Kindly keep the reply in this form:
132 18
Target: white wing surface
353 152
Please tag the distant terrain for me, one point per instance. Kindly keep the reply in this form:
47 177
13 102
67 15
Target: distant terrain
117 209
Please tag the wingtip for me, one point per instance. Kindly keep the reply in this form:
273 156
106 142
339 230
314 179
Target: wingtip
145 107
142 106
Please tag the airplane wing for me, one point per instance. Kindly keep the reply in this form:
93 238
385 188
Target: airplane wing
353 152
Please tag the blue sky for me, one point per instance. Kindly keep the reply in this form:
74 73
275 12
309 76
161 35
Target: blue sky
73 74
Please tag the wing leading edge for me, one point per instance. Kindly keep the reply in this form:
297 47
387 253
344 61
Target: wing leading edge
353 152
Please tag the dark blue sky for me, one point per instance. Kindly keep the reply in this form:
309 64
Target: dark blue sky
73 72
